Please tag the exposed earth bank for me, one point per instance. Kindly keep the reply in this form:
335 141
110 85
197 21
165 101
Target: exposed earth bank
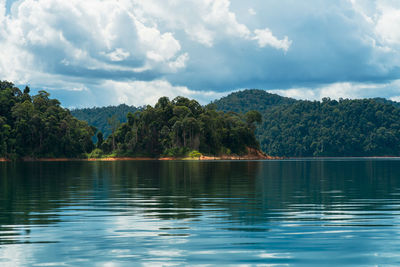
253 154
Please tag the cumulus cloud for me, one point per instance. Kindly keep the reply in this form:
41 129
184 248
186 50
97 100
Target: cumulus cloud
388 24
207 21
104 49
54 36
212 20
76 46
383 18
138 92
265 37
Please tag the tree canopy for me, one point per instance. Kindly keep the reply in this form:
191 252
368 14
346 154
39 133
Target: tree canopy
174 128
37 126
251 99
360 127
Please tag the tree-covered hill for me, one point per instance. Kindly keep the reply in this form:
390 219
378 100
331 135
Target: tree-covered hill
252 99
37 126
367 127
99 116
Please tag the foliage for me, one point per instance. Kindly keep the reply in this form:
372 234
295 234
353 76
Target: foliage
37 126
174 128
367 127
95 154
332 128
195 154
99 116
253 99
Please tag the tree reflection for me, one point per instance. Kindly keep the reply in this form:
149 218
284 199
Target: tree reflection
245 192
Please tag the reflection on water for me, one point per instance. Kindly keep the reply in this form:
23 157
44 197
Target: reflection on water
301 212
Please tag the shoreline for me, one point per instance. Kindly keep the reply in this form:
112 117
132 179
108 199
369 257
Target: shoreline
202 158
253 154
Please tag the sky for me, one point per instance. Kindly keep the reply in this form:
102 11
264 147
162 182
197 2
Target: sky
99 53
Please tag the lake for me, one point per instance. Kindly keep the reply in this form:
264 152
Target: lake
153 213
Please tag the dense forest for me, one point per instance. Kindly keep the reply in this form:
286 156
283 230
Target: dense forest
100 116
37 126
180 126
367 127
253 99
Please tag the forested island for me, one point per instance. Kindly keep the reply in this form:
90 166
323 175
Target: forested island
179 128
39 127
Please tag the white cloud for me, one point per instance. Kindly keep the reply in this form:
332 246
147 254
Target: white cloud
212 20
338 90
160 47
138 93
383 18
82 45
219 16
85 45
2 11
55 36
265 37
208 20
388 25
297 93
395 98
179 63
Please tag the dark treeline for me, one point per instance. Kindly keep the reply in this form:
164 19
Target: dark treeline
100 116
367 127
332 128
174 128
37 126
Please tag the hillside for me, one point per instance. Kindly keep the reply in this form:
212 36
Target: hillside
296 128
98 116
252 99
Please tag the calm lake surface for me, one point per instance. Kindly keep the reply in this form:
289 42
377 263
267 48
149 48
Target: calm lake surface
150 213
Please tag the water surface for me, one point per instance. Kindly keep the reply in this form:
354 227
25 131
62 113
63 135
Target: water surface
151 213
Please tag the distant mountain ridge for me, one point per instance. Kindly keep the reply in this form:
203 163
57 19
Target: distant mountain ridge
98 116
251 99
